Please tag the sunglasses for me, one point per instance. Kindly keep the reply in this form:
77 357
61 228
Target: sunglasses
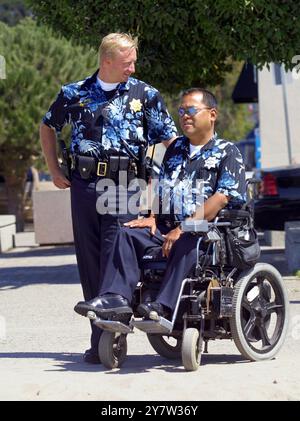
191 111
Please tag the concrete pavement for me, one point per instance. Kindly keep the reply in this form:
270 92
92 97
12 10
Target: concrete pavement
42 340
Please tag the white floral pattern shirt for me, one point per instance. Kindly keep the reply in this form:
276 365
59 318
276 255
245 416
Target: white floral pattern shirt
103 123
185 183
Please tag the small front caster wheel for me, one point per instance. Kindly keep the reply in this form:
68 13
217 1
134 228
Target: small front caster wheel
191 349
112 349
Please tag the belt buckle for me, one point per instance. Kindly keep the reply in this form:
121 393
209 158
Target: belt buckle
101 169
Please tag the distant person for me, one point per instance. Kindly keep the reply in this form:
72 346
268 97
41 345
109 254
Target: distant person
32 183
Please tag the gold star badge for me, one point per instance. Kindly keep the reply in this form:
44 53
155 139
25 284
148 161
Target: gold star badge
135 105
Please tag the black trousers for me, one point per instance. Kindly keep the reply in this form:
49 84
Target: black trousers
94 236
123 267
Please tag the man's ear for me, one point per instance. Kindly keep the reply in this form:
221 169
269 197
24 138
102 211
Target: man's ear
107 60
214 114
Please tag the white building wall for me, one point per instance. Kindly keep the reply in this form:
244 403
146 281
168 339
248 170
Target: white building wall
273 133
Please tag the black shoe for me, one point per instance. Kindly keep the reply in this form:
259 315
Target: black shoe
145 309
105 306
91 357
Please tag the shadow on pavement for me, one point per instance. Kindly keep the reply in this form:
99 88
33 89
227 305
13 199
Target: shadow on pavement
39 252
67 360
133 363
21 276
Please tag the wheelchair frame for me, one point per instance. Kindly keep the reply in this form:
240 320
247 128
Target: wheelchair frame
216 306
222 302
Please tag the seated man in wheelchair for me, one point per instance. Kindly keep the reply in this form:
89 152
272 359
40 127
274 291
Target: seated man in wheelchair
198 155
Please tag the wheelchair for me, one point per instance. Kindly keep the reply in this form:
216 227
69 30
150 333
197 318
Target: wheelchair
218 302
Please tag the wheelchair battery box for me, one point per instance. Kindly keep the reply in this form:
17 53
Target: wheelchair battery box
221 301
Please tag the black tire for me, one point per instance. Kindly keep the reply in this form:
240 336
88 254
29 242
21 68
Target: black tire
112 349
191 349
165 348
260 313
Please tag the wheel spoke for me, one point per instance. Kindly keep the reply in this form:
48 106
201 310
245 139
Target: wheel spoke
273 307
264 289
264 335
247 305
249 326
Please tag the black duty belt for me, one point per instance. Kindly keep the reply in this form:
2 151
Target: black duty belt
109 167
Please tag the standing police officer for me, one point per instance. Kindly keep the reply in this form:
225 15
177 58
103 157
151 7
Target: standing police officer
199 155
112 115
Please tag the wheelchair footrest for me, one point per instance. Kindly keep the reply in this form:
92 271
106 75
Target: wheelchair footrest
112 325
154 326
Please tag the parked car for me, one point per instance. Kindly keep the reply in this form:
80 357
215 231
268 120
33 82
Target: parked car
278 199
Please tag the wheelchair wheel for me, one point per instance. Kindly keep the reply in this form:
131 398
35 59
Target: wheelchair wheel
260 313
112 349
191 349
168 347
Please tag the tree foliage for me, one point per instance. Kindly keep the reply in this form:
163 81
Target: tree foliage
234 120
37 64
12 11
183 42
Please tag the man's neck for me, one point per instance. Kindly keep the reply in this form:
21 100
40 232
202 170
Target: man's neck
106 77
201 140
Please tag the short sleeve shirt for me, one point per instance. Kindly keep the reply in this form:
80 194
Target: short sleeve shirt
135 114
185 183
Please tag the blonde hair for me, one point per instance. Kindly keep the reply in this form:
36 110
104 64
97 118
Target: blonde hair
116 41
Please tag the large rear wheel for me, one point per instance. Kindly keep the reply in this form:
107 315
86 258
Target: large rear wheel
260 313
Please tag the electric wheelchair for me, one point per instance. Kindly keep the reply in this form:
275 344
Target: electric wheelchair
218 302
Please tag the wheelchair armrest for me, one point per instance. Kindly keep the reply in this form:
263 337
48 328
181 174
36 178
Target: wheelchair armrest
194 225
233 214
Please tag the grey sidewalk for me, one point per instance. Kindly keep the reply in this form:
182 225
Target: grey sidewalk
42 340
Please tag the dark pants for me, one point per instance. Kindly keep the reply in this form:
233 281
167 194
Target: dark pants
94 236
123 268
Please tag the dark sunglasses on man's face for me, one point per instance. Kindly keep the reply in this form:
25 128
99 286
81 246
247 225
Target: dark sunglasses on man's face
191 111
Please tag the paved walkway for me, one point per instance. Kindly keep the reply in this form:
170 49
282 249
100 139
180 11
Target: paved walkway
42 339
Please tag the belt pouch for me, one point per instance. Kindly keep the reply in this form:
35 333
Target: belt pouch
113 167
86 166
124 166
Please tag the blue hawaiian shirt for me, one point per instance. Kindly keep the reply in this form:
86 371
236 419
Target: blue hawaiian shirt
218 164
102 124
